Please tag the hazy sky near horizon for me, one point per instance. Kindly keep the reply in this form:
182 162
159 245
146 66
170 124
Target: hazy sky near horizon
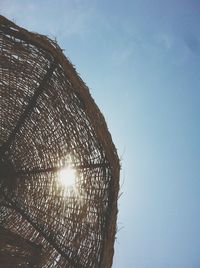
141 61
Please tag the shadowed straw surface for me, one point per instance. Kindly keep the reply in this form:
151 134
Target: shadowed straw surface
48 120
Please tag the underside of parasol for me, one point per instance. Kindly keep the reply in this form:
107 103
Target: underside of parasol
49 123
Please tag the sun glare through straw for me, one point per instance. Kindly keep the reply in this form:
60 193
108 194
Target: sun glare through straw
67 177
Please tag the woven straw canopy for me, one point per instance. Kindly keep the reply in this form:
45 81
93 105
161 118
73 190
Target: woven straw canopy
49 123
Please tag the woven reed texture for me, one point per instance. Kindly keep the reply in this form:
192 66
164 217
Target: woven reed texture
48 121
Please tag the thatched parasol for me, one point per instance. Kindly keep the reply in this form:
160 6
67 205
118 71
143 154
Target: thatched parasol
49 122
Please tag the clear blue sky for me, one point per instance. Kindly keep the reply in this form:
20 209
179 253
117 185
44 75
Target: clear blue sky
141 60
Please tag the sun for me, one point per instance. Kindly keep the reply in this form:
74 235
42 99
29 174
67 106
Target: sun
67 177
